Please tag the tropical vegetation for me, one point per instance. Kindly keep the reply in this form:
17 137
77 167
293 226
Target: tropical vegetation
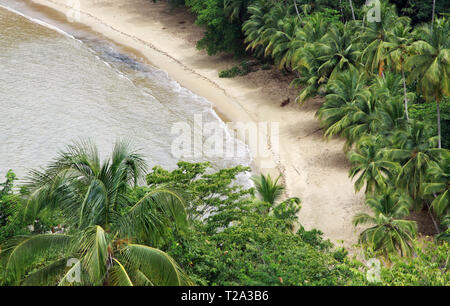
385 88
383 69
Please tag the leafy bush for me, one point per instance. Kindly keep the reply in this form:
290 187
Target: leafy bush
221 34
234 240
243 69
10 220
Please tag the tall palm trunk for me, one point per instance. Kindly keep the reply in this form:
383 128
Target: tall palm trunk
296 9
432 15
404 92
439 123
342 11
353 11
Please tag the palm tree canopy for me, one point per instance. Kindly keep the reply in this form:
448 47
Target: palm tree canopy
438 184
269 190
370 162
389 233
430 62
107 232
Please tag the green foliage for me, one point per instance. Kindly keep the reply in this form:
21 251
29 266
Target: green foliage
252 244
430 60
389 233
10 202
230 73
103 228
222 31
269 190
375 77
439 185
367 73
8 184
429 267
427 112
244 68
207 193
420 11
266 66
370 163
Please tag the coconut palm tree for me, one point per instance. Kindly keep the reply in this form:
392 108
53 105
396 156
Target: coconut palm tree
372 166
347 94
432 14
307 75
439 184
445 235
366 120
388 91
353 11
414 148
254 27
377 36
336 51
304 59
235 9
268 189
398 54
389 233
313 29
324 60
280 45
110 235
262 25
430 62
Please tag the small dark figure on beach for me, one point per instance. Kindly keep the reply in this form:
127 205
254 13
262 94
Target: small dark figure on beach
285 102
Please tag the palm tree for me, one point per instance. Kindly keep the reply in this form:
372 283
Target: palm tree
280 43
353 11
269 190
415 149
304 58
262 25
377 36
398 54
432 14
370 162
313 29
389 233
439 184
388 91
345 104
109 234
307 75
254 27
445 235
336 51
235 9
324 60
429 64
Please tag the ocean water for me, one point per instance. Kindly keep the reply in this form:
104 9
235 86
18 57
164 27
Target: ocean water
56 88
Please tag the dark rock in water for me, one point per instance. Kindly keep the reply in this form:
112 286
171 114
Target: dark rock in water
122 58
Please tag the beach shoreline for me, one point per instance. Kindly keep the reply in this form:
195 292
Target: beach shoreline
314 169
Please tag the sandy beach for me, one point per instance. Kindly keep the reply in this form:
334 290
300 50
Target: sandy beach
313 168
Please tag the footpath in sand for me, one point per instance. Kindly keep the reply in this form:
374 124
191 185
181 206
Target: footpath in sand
314 169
